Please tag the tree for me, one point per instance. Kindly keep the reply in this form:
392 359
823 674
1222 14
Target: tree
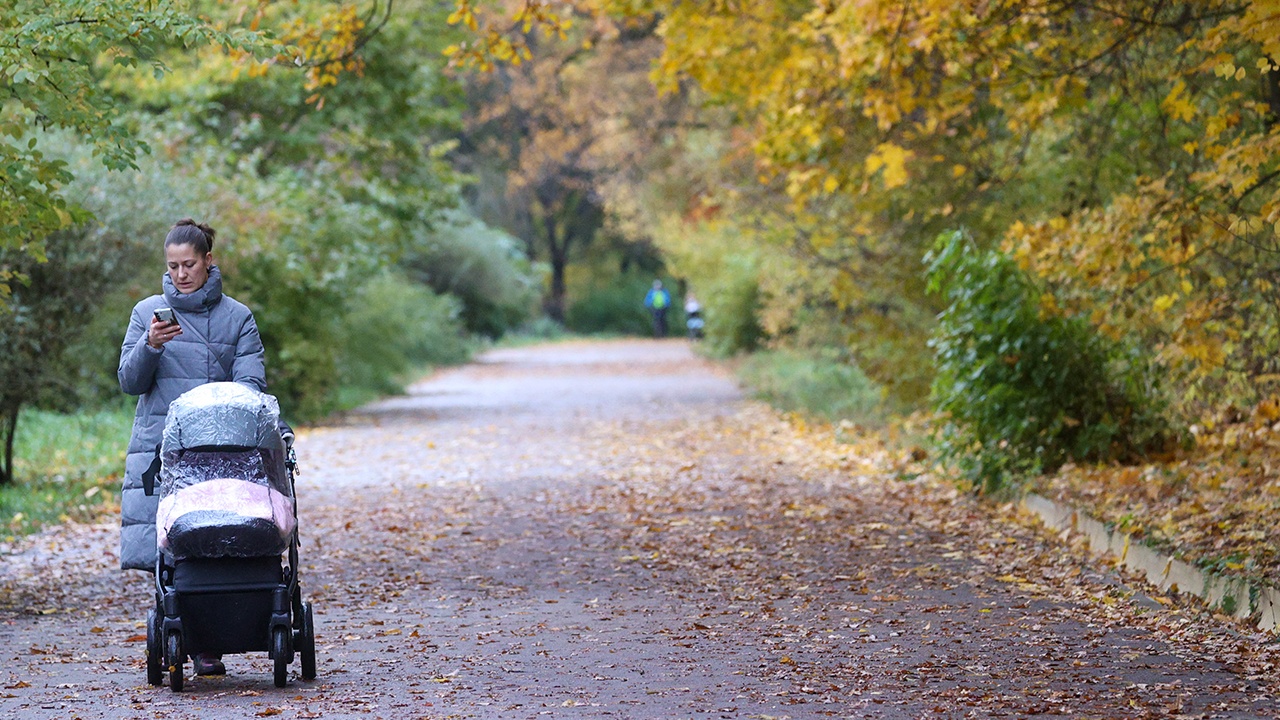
47 311
1127 152
559 128
317 181
52 59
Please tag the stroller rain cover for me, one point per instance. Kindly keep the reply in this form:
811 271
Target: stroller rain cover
224 488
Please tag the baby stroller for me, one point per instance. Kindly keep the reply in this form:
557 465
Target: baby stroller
227 514
694 322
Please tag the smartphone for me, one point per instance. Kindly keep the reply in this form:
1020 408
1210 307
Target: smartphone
165 315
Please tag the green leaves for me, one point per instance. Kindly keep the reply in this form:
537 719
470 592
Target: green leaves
1024 388
52 55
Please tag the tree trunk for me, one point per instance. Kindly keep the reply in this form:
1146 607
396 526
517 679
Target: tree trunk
8 430
559 256
1271 92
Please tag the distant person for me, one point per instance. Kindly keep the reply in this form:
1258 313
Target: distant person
693 316
658 300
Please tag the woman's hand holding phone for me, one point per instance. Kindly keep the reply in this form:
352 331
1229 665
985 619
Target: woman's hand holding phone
164 327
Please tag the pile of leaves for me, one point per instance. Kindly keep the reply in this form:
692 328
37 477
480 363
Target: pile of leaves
1215 504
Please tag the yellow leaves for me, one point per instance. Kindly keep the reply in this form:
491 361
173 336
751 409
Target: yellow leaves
1227 69
503 40
1225 119
1049 305
328 47
1244 225
464 14
922 106
1268 410
1207 356
891 160
1177 103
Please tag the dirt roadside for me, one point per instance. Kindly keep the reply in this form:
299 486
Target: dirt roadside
607 529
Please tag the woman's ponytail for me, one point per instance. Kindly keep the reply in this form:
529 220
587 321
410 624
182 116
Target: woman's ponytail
189 232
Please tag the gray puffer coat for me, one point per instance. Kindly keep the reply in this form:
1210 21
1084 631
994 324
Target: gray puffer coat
219 343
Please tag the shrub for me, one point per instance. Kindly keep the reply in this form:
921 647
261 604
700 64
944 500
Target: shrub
1023 388
538 329
821 383
480 265
618 307
393 327
295 246
51 304
724 272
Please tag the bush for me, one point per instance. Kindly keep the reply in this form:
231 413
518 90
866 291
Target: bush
52 303
1022 387
395 326
539 329
822 384
724 272
618 307
481 266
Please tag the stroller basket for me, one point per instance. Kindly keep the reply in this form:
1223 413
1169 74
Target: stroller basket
238 592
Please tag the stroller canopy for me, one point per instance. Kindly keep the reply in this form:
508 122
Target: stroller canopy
224 488
222 414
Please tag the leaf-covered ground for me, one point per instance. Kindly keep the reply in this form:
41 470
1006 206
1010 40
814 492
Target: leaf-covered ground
595 530
1215 504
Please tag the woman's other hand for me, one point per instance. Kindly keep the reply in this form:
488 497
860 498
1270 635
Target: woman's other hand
162 332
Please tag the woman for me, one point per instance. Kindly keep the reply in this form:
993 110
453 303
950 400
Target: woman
212 338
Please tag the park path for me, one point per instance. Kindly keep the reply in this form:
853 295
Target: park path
608 530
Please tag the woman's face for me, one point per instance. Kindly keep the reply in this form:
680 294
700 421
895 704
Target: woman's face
188 269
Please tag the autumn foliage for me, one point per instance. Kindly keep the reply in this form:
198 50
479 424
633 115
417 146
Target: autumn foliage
1124 151
1124 154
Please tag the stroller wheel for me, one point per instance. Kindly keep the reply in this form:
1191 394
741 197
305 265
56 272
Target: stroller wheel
175 656
307 644
282 654
155 649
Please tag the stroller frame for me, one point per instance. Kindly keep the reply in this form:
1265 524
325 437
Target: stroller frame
231 605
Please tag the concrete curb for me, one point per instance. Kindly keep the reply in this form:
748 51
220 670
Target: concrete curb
1254 602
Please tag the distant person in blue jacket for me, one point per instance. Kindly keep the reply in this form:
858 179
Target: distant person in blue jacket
658 300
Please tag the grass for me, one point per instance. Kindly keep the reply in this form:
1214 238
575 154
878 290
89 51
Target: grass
67 467
816 384
545 331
